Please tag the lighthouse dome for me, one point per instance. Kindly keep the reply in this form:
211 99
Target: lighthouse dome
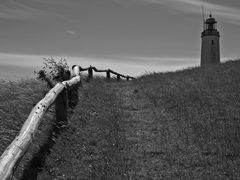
210 20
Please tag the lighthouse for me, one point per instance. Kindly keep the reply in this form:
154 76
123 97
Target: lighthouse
210 53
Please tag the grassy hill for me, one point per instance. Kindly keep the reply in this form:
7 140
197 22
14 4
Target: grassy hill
16 102
177 125
181 125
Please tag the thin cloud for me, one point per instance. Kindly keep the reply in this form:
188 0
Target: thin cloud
8 13
17 10
71 32
13 12
133 66
167 61
194 6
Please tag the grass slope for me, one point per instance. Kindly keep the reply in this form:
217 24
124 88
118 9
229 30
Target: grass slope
93 145
181 125
191 129
16 102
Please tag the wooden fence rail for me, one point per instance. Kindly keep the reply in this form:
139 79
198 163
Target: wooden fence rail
108 72
11 157
16 150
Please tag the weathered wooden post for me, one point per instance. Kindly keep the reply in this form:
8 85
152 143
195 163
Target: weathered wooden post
61 104
118 77
73 98
108 74
90 72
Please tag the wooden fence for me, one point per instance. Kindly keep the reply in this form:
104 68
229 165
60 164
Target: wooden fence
108 73
16 150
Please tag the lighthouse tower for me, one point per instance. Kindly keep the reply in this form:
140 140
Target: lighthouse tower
210 53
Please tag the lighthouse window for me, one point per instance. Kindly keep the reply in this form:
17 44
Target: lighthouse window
212 42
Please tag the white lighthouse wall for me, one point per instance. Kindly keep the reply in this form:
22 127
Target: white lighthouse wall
210 50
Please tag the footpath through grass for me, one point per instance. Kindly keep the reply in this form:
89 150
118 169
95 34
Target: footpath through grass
183 125
94 144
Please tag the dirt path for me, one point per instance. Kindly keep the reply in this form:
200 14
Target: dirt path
114 134
142 135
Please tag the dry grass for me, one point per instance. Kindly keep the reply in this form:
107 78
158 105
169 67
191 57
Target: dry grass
92 146
182 125
197 120
16 101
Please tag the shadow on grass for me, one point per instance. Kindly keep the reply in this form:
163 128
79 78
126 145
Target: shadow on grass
37 162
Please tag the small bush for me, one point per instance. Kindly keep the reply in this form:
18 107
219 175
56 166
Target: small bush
53 71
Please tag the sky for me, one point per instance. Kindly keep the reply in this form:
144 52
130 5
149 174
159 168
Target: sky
129 36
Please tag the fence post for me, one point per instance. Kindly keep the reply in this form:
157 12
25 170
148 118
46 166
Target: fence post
61 108
90 72
118 77
127 78
61 104
72 92
108 74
